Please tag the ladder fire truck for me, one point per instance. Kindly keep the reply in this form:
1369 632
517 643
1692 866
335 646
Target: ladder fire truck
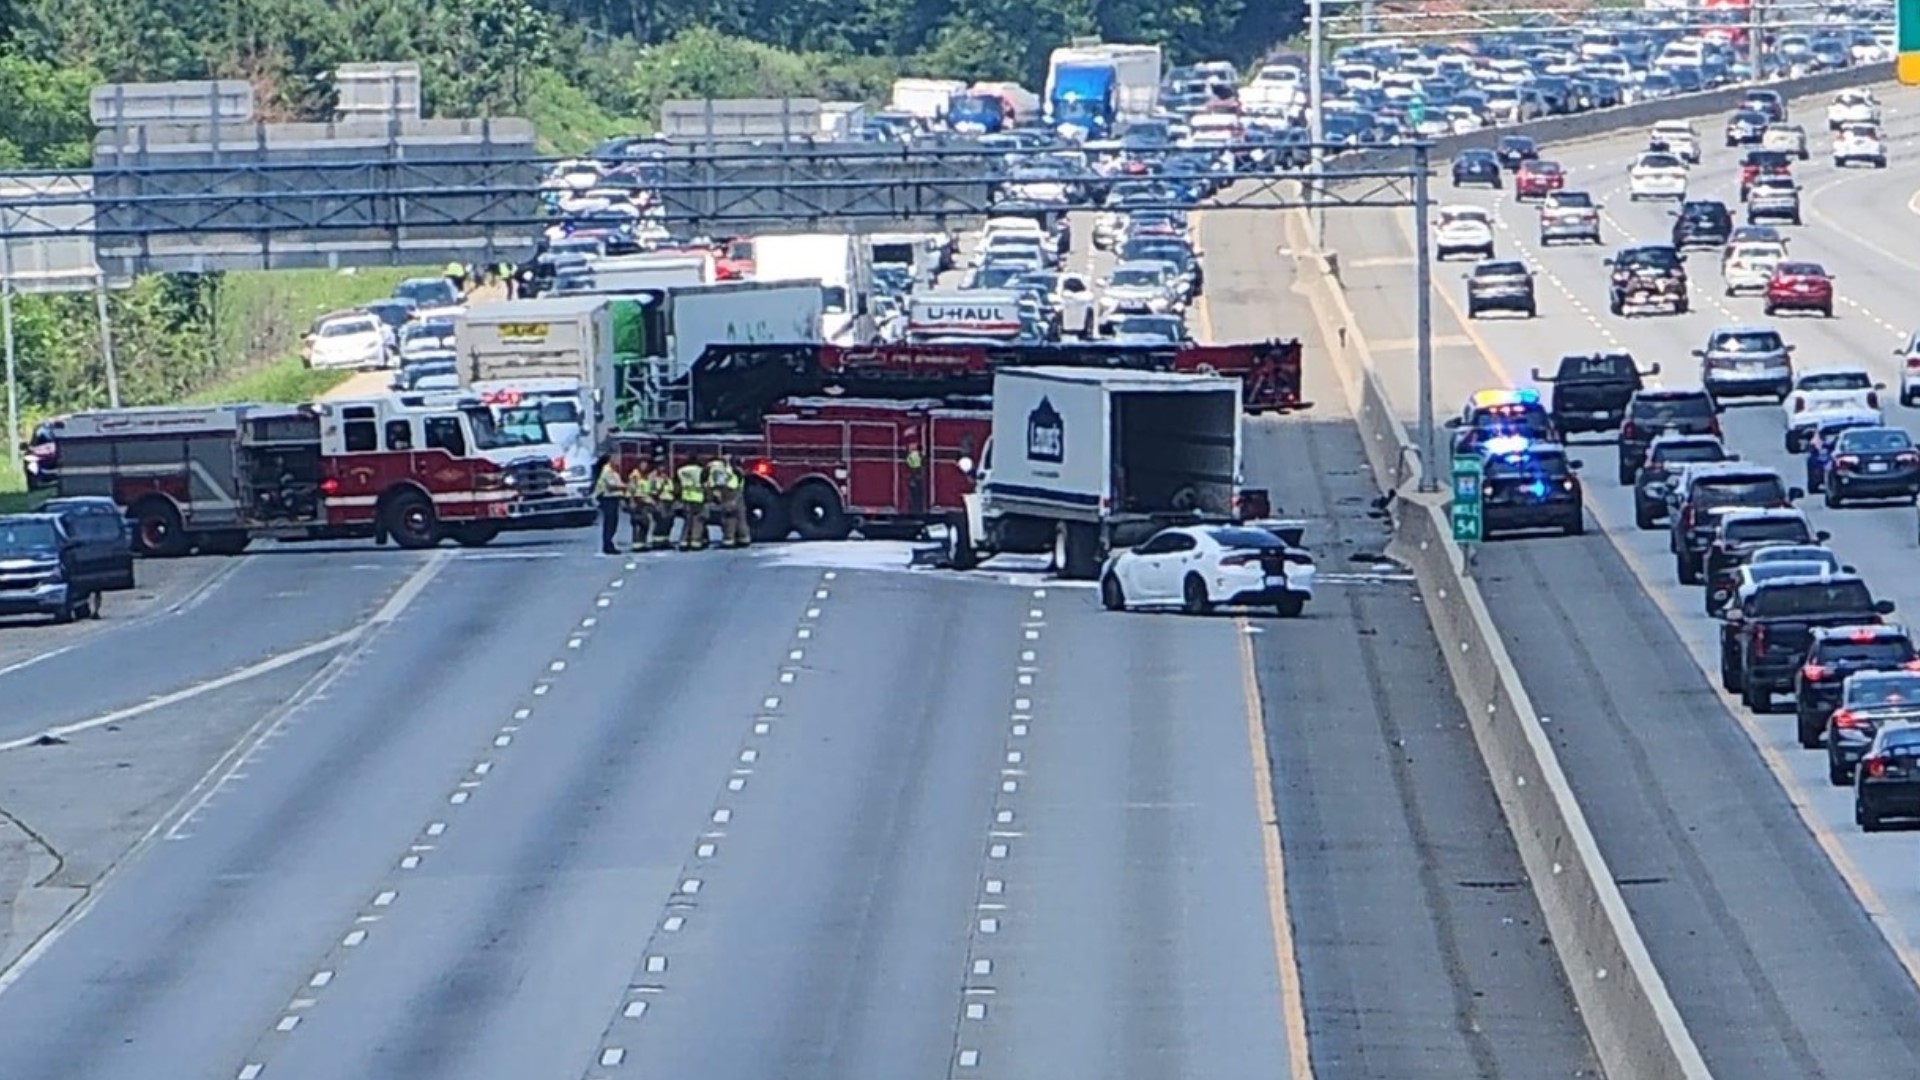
215 478
824 432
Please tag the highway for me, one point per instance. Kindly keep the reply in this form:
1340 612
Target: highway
533 812
1782 930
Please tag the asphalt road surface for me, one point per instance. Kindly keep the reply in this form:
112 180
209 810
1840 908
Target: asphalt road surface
1781 929
532 812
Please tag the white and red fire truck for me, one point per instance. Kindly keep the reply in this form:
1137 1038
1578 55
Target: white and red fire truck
415 470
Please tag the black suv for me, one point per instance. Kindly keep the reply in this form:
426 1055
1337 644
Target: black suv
1591 392
1655 412
1650 487
1702 223
1532 489
1737 535
1514 149
1767 103
1651 275
1500 285
1476 166
1763 641
1837 652
1712 490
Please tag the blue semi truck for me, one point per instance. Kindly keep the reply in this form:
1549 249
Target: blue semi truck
1093 88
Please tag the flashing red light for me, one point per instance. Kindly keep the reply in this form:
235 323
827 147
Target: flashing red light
330 487
1876 767
1844 718
763 468
500 397
1813 672
1863 637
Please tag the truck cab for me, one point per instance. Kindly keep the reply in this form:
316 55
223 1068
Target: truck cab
60 563
1081 100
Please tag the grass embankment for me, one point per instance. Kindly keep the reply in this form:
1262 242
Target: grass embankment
262 316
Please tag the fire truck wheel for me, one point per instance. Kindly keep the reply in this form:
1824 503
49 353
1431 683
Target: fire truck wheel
817 512
411 521
766 515
474 535
157 529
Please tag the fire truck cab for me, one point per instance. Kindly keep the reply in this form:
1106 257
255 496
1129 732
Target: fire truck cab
215 478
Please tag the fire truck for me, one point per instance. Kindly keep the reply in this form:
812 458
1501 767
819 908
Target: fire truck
213 479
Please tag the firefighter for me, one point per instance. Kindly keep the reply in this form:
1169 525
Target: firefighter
640 500
609 491
727 488
691 480
665 495
458 275
916 477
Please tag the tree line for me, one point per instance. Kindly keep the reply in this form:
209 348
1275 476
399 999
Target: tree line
581 70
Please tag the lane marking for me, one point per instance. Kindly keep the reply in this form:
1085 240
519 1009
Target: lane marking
1293 1009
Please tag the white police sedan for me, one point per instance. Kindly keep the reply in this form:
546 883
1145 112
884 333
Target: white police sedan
1194 568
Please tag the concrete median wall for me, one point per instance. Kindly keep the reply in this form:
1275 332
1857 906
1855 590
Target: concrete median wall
1637 1032
1636 117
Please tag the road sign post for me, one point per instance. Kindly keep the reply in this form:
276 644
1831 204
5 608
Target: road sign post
1907 41
1465 509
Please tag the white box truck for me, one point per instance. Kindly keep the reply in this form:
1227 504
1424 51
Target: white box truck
924 98
1084 461
838 262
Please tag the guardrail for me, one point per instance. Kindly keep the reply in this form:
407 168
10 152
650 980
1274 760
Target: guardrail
1640 115
1636 1031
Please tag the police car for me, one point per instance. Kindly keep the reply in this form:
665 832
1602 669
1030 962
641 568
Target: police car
1527 484
1493 413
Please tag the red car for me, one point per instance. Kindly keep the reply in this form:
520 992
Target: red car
1534 179
1800 286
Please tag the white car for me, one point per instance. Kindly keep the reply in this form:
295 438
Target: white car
1787 139
1195 567
1819 394
349 341
1853 107
1463 230
1680 139
1910 370
1748 267
1657 176
1857 143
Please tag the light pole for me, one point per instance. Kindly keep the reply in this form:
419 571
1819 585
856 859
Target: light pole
1423 323
1316 131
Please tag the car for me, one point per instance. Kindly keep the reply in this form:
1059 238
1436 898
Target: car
1909 355
1765 567
1676 137
1745 128
1569 215
1195 568
1786 138
1853 107
1887 778
1651 482
1748 267
99 522
1837 653
1476 166
1500 285
1759 163
1869 701
1746 361
1756 234
429 294
1151 330
1858 144
1535 179
1463 230
1825 435
1773 198
1872 463
1702 223
1705 492
1495 413
1763 640
1139 287
1738 534
1657 176
1647 277
53 570
1767 103
1514 149
353 340
1800 286
1591 391
1526 484
1825 392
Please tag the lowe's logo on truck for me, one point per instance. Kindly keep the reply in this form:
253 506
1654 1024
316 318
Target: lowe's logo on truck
1046 434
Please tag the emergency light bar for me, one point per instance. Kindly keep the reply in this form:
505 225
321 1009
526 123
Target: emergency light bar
1511 446
1491 399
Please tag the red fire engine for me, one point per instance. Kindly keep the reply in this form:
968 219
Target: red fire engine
215 478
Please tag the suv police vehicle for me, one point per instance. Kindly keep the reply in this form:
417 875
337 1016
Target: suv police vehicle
1529 485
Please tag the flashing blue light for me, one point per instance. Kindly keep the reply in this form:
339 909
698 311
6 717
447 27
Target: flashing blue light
1537 489
1493 399
1508 445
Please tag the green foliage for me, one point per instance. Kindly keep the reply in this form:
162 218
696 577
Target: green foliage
286 381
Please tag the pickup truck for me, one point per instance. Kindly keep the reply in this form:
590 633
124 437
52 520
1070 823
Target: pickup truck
1764 640
1591 392
1708 491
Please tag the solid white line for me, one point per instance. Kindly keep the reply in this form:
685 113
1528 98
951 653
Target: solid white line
32 660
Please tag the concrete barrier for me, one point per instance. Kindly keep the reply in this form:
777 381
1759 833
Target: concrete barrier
1639 116
1636 1031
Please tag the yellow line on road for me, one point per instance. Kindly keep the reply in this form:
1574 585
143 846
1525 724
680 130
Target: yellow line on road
1776 763
1292 1003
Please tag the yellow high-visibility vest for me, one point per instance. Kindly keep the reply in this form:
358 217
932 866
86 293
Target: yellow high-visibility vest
723 476
640 486
691 489
609 484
